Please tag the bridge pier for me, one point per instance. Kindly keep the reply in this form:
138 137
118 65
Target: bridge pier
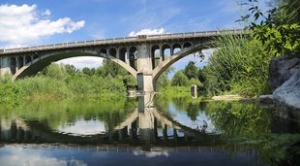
145 83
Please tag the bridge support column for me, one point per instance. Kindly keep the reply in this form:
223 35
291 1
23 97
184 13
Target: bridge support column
145 83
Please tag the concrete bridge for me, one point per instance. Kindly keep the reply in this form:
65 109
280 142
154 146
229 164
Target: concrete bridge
146 57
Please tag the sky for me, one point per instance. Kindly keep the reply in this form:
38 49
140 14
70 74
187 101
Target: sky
33 22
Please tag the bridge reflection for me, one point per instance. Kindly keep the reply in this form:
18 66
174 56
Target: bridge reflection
146 125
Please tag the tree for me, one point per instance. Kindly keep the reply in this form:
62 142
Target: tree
113 68
87 71
280 29
179 79
163 80
55 71
70 69
190 70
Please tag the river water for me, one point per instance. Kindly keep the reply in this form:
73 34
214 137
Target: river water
145 131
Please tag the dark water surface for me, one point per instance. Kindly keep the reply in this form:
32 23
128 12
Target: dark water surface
143 131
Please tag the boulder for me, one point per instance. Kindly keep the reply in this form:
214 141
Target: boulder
288 96
281 69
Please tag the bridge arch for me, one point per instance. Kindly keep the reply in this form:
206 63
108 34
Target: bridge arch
164 65
39 62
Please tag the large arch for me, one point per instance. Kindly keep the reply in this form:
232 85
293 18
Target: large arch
38 64
174 58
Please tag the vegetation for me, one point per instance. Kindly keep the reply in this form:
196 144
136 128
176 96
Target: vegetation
279 27
65 81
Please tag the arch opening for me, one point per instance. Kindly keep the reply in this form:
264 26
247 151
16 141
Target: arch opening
176 48
13 65
113 52
20 62
35 57
166 51
155 56
103 51
123 54
28 59
133 57
187 45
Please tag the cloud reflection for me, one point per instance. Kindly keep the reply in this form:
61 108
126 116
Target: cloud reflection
83 127
151 154
21 156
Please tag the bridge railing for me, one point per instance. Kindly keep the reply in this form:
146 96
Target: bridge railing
118 40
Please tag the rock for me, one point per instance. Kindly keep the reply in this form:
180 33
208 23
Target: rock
281 69
288 95
266 99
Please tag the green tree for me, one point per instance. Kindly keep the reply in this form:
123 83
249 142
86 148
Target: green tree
87 71
279 28
112 68
55 71
163 80
179 79
190 70
70 69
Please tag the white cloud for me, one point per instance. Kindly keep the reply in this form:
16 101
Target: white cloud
81 62
148 32
46 13
20 25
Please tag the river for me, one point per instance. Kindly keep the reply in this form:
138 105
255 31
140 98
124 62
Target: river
145 131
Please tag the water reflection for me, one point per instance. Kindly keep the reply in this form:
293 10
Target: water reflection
136 132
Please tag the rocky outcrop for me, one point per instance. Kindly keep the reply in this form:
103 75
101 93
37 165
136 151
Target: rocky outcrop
289 92
287 95
281 69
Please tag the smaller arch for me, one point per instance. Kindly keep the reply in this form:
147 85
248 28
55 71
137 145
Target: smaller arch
187 45
35 57
13 65
28 59
103 51
123 54
112 52
20 62
176 48
155 55
133 56
166 51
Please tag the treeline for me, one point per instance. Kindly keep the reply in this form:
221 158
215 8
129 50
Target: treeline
58 81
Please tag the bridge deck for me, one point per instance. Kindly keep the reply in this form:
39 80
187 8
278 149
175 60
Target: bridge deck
140 38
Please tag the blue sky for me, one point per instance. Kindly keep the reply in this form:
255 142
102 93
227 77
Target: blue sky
32 22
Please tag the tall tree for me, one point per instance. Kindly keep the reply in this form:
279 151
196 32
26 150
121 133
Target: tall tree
191 70
179 79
